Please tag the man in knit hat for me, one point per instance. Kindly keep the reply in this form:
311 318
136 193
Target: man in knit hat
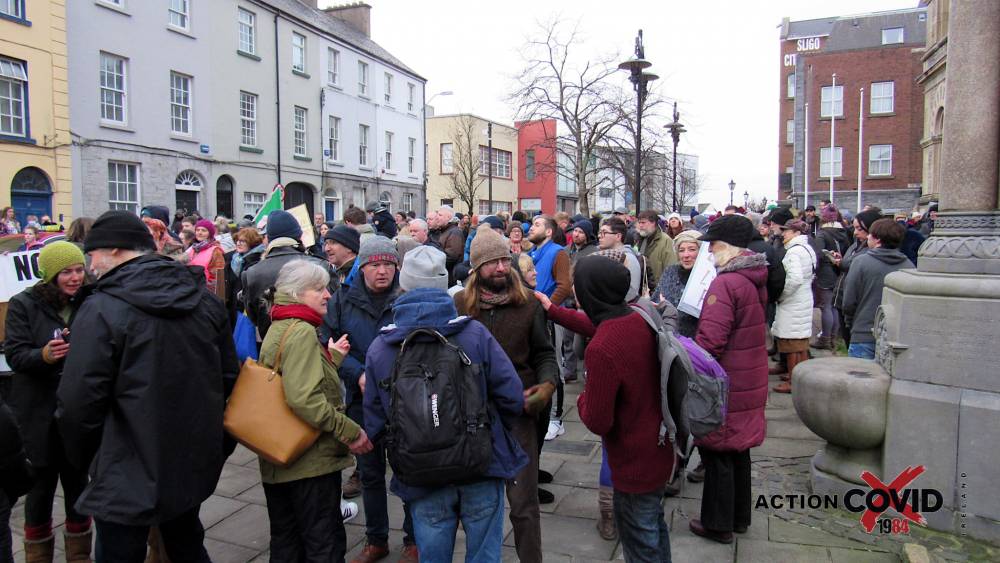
342 244
284 244
360 310
496 296
149 327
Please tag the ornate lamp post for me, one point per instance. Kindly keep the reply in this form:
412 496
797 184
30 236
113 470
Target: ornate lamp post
746 199
639 79
732 187
675 133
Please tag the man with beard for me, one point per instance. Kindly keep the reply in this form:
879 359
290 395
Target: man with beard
655 246
497 297
449 238
611 236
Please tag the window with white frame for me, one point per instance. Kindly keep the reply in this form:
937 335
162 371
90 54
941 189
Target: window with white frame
362 145
298 52
411 154
334 138
447 165
180 103
882 97
485 208
299 126
247 31
12 8
362 78
501 162
123 186
248 119
407 202
332 66
13 93
114 94
828 164
388 89
253 202
892 35
388 150
880 160
831 101
790 132
179 14
790 86
411 95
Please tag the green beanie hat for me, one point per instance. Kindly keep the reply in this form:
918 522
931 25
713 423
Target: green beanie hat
58 256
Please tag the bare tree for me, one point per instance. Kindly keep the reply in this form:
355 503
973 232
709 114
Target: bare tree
466 178
574 90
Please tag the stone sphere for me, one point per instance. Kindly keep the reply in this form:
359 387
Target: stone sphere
842 400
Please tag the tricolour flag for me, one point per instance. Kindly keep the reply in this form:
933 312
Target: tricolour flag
273 203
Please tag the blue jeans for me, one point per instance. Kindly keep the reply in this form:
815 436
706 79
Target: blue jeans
479 506
641 526
863 350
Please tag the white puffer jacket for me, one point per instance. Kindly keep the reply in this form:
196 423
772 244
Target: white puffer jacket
793 319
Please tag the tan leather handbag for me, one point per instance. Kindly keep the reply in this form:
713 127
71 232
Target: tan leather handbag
258 416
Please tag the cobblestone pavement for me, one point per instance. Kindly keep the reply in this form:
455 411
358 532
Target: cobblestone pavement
236 523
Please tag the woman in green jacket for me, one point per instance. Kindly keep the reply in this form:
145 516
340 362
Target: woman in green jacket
306 521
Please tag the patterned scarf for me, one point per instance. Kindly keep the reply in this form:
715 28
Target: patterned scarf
199 246
489 300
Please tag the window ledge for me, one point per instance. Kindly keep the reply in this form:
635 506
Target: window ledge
14 19
180 31
364 97
885 114
388 173
366 168
16 139
413 177
247 55
117 127
827 118
337 163
254 150
112 7
300 73
183 137
880 177
302 158
337 87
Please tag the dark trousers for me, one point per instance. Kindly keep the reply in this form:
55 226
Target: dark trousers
522 494
6 545
306 522
725 502
183 538
38 503
555 335
372 466
641 526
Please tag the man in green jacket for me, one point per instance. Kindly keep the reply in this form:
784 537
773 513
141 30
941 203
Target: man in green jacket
655 246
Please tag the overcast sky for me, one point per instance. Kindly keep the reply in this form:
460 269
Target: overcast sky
719 59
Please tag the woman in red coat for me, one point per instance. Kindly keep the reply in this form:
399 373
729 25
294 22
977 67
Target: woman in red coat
731 328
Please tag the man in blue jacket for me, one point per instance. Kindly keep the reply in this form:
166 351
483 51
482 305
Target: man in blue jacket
478 503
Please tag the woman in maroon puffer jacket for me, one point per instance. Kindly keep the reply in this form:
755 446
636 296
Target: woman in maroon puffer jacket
732 330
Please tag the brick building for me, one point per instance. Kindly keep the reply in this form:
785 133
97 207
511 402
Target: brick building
832 70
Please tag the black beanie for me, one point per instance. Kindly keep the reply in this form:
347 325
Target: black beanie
736 230
866 218
118 229
347 236
281 223
781 215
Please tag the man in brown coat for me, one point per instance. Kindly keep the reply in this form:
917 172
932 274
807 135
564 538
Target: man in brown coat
448 235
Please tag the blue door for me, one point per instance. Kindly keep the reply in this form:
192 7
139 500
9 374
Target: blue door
331 209
31 194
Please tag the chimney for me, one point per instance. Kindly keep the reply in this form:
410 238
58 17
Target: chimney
357 14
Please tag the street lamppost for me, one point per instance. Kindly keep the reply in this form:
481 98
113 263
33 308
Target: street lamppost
732 187
489 164
639 79
746 199
423 118
675 133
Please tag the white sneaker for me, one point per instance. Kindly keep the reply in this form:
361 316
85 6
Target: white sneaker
555 430
348 509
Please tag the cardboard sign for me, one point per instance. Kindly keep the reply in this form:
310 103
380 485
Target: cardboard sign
301 214
18 271
702 275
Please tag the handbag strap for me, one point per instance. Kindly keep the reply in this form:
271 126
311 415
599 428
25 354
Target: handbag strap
281 347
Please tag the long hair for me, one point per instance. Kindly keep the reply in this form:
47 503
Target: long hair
515 288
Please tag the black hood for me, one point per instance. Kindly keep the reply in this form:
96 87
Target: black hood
601 284
156 285
157 212
890 256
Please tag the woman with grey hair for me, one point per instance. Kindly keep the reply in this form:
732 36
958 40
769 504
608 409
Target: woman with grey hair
305 525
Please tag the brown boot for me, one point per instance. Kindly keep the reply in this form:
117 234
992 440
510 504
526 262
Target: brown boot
371 553
78 546
39 551
410 554
606 526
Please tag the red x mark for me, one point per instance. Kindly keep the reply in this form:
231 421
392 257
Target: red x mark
870 517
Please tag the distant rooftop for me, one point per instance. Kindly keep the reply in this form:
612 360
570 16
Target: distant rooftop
912 19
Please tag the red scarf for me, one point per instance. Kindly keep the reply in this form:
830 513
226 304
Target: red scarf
302 313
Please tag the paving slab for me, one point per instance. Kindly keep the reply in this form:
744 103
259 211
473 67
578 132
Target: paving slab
249 527
579 503
241 456
216 508
787 448
576 537
235 479
840 555
790 532
254 494
578 475
222 552
760 551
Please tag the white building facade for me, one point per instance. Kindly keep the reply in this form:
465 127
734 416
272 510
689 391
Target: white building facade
207 105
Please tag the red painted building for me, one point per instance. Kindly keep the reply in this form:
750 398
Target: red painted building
537 175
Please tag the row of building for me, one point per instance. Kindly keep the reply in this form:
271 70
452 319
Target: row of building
208 106
861 108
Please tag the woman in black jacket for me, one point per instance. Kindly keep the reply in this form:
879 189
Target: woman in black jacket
36 347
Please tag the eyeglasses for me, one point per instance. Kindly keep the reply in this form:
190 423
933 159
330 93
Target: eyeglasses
605 233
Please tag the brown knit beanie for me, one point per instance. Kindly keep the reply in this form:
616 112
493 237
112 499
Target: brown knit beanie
488 245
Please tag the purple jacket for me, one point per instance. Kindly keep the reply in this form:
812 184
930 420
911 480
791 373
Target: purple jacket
732 330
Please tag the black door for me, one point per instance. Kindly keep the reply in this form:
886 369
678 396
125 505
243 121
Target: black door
224 196
298 193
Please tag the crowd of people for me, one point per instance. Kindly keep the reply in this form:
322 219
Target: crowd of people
101 405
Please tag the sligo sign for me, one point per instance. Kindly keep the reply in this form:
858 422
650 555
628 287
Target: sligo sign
803 45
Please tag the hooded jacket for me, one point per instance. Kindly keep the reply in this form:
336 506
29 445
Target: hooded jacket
732 330
833 238
863 288
793 318
143 391
434 308
385 224
659 252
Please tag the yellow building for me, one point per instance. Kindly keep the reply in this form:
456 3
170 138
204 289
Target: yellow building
34 110
457 174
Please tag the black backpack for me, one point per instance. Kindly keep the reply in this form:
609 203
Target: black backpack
439 431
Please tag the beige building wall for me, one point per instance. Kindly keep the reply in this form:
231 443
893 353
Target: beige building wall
42 47
932 79
443 130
